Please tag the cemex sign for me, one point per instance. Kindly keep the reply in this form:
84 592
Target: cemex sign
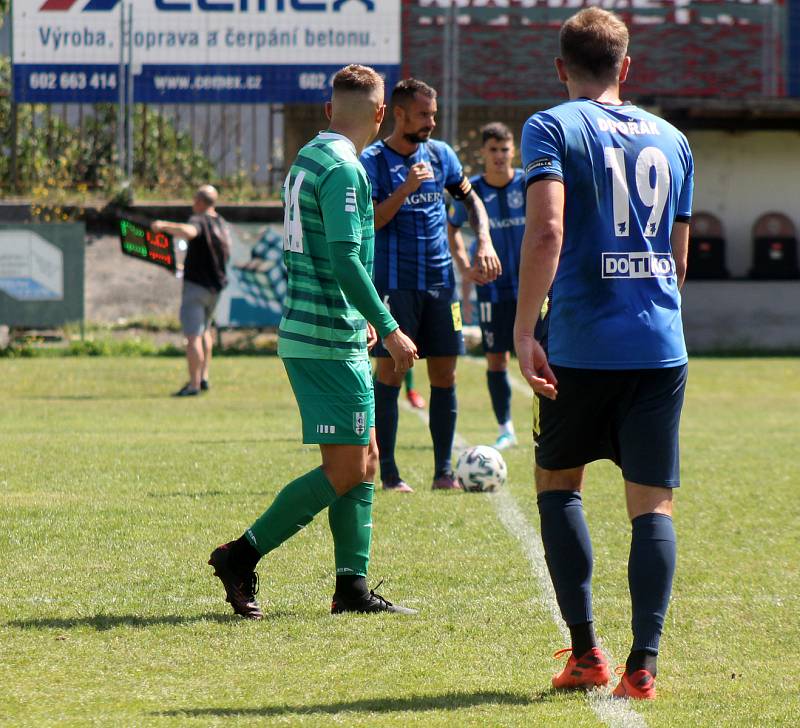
229 51
41 274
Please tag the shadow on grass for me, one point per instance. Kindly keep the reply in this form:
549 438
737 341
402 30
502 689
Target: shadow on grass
413 703
102 622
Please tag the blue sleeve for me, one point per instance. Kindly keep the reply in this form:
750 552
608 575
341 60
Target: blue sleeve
684 211
370 163
453 172
456 214
542 149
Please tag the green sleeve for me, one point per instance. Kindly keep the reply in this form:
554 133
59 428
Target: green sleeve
357 286
338 201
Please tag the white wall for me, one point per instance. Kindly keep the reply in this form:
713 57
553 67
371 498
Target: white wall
741 175
759 315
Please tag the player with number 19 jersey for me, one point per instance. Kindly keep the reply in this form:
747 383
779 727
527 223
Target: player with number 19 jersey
615 299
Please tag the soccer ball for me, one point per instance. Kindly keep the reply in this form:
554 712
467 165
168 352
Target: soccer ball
481 469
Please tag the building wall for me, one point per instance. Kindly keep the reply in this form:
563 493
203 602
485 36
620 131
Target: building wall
740 176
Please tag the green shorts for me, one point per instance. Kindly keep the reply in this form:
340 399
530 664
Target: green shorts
336 400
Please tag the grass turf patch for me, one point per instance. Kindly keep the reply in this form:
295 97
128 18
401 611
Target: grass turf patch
113 495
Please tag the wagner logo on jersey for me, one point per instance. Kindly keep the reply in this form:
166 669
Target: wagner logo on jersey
638 265
411 250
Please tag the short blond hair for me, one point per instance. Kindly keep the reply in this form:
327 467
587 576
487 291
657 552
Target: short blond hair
357 78
594 44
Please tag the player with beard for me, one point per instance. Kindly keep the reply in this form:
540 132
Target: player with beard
414 276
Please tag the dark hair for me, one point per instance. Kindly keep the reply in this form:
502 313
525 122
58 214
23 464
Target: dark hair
496 130
404 91
357 78
594 43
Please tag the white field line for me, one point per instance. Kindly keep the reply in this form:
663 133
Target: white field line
612 712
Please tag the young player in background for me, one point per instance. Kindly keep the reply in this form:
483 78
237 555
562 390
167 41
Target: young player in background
502 191
608 205
409 173
323 340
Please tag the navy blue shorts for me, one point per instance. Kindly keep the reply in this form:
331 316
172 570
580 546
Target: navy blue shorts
432 319
497 325
629 416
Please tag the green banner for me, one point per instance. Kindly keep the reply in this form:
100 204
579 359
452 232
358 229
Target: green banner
41 274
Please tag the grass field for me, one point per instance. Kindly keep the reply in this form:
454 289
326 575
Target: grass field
112 495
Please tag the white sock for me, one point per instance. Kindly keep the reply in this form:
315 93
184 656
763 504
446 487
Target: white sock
507 428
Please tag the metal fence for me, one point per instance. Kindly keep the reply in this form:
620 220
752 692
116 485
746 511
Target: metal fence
241 144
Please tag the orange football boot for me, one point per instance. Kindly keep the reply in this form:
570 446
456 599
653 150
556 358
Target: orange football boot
640 685
588 671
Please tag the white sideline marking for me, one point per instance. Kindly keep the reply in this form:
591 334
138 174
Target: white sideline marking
614 713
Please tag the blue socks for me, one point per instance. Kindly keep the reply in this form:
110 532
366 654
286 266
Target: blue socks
386 418
651 567
568 552
442 424
500 392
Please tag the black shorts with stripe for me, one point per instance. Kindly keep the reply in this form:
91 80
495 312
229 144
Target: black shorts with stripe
431 319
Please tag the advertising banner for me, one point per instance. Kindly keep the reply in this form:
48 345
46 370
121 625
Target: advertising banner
256 286
187 51
41 274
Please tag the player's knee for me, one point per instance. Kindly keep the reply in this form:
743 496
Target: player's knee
444 382
346 476
386 374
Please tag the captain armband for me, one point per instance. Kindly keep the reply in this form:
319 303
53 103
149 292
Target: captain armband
461 190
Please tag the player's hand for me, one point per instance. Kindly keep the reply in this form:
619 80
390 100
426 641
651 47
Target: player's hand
402 350
156 226
486 262
534 367
372 336
417 174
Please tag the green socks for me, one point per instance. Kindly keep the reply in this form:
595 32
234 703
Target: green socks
350 519
293 508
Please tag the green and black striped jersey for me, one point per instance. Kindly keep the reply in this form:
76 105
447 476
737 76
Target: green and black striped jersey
327 199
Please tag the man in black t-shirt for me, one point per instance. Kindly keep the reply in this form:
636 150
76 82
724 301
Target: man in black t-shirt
203 278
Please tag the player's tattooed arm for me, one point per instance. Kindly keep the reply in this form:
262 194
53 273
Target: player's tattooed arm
486 263
459 252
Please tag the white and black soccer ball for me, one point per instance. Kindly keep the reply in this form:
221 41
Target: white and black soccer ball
481 469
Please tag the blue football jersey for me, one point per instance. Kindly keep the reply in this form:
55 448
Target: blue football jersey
505 207
411 250
628 175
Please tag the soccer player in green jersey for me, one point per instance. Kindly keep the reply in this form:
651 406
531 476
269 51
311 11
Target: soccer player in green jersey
331 315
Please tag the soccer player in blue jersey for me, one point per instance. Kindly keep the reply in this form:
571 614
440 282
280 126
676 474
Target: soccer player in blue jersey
502 191
413 271
608 207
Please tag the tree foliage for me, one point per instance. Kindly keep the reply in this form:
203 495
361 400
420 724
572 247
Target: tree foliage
57 161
